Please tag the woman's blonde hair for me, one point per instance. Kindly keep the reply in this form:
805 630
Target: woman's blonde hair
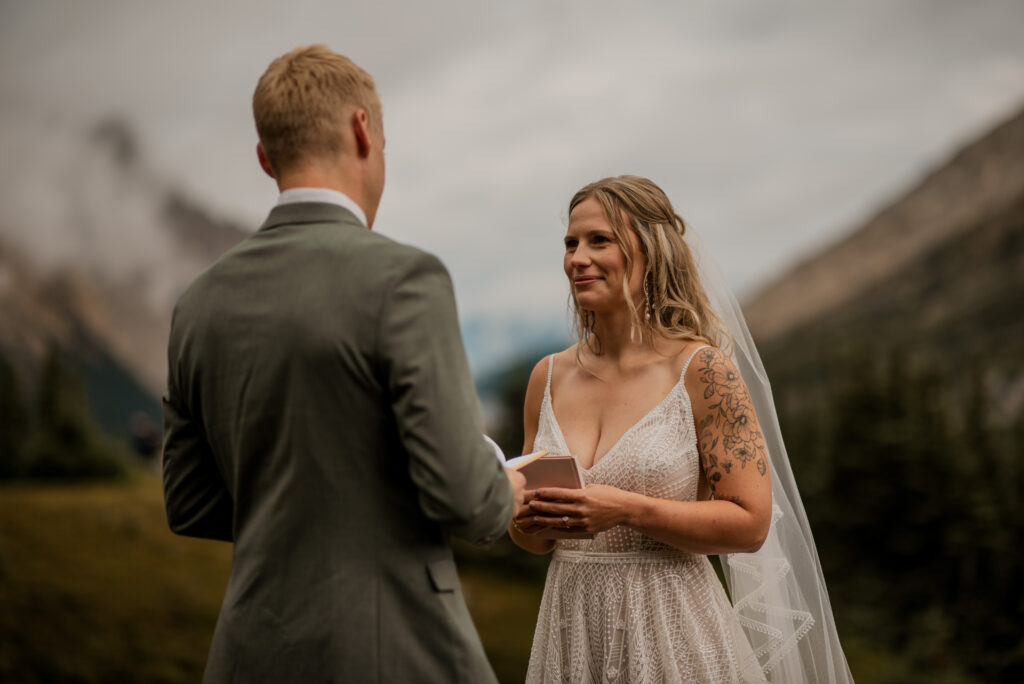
675 304
301 101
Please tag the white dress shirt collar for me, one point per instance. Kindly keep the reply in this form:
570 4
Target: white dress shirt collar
326 195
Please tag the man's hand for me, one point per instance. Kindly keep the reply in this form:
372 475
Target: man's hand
518 482
523 520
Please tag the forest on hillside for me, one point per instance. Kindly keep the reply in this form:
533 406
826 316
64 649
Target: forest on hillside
903 414
912 491
49 432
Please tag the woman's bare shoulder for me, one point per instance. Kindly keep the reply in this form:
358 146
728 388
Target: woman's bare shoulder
569 355
686 353
554 361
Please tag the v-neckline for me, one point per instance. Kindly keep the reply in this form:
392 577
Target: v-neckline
631 428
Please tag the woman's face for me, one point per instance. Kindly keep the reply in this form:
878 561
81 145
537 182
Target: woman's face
594 262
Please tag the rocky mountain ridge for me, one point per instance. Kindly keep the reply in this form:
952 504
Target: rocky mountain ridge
934 284
98 275
981 181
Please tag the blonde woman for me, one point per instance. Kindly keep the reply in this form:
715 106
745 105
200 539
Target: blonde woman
676 466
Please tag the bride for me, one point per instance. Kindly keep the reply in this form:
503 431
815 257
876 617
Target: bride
664 405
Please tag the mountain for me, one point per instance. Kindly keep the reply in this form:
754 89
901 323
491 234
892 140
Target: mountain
938 274
897 370
94 249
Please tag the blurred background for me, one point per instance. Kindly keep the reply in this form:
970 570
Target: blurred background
857 170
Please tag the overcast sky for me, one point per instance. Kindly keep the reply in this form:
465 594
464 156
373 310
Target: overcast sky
774 127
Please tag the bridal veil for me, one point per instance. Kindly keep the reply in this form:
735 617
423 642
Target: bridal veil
778 592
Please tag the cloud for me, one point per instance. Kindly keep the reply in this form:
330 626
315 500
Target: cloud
773 129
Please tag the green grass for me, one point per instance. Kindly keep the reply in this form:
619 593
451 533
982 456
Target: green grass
505 613
95 588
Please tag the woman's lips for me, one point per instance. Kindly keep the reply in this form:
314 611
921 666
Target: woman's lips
584 280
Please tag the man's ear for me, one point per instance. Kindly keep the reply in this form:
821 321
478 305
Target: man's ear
263 161
361 130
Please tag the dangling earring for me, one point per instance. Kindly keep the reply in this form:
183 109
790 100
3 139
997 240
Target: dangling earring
647 302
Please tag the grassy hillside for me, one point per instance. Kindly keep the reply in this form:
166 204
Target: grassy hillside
94 588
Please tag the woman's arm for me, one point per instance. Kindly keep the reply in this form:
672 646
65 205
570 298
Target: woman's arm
522 530
735 462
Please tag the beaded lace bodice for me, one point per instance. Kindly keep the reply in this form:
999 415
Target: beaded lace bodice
657 457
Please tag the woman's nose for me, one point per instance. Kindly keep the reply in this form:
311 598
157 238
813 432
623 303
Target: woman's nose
580 257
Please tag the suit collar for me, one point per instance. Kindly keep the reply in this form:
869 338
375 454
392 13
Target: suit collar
319 194
310 212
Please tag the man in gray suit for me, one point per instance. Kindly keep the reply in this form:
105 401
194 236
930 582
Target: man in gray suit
320 415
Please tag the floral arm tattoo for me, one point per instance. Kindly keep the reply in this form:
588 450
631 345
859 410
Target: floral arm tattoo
729 434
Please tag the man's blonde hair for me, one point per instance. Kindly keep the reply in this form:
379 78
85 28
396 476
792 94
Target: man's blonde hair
301 102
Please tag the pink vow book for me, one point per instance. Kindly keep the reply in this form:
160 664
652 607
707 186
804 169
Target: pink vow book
550 470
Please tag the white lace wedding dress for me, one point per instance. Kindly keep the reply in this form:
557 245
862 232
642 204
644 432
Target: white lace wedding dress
622 607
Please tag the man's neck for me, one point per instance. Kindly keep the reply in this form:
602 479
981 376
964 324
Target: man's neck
336 179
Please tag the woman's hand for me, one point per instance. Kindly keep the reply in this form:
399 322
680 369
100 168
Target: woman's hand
593 509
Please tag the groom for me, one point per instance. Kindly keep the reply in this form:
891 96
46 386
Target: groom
320 415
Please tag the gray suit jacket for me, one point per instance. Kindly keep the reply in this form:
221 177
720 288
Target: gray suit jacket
320 414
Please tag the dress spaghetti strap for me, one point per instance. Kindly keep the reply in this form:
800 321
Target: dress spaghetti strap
685 365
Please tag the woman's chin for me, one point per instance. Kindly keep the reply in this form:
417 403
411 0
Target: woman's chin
595 306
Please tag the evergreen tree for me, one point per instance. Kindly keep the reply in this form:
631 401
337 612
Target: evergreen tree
914 499
14 427
989 603
511 395
67 443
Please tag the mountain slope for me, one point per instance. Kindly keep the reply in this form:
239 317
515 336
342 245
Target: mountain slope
94 249
983 181
936 278
898 375
958 303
